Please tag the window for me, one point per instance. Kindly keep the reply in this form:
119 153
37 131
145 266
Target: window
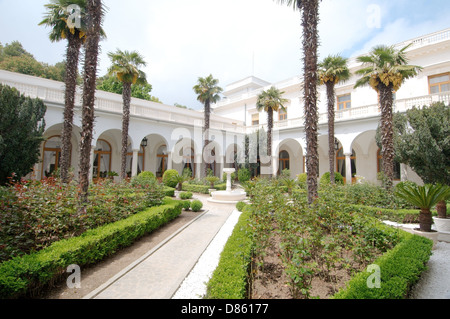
102 159
397 170
439 83
282 115
255 119
344 102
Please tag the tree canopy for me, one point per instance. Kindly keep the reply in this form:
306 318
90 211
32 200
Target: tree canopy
422 141
21 132
14 58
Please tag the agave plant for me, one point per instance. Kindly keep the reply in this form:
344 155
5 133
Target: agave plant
425 197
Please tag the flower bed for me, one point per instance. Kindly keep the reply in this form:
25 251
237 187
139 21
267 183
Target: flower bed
27 275
294 247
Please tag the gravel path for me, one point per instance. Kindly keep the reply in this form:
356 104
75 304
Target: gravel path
435 281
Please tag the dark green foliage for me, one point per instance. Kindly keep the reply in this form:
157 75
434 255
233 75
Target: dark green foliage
21 128
422 141
202 189
143 179
244 175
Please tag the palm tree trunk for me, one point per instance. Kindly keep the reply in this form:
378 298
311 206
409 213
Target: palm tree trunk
310 21
126 95
206 132
94 12
387 134
269 138
72 58
331 115
425 220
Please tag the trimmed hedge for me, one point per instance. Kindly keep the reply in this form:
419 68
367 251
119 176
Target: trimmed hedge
405 216
230 278
400 269
26 275
202 189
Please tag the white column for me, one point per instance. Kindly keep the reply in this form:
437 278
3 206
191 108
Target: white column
134 167
348 168
169 160
198 166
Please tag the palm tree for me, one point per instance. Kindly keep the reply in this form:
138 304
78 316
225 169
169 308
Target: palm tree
332 70
207 91
95 11
58 15
425 197
57 18
125 65
310 21
385 69
270 101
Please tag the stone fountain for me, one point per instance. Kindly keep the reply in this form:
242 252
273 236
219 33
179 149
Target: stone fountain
228 196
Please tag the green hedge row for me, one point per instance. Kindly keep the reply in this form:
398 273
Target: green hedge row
405 216
230 278
26 275
400 268
202 189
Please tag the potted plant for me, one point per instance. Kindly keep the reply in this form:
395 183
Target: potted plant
442 221
212 180
425 197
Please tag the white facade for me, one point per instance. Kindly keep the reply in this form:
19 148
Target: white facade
174 135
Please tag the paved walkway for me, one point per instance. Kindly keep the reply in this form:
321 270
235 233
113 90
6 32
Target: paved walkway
160 272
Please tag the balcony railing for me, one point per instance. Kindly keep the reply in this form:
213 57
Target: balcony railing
53 92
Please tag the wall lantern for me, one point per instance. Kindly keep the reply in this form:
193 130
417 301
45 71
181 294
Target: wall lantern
144 142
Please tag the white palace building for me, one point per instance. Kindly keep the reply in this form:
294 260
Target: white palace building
167 137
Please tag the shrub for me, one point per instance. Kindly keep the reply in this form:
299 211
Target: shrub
186 195
143 179
240 206
202 189
212 180
244 175
302 180
338 179
168 178
196 205
186 204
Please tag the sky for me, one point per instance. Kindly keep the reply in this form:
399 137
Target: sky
183 40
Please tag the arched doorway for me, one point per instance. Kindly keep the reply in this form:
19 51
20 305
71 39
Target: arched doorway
162 160
141 156
102 159
341 165
51 156
189 162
